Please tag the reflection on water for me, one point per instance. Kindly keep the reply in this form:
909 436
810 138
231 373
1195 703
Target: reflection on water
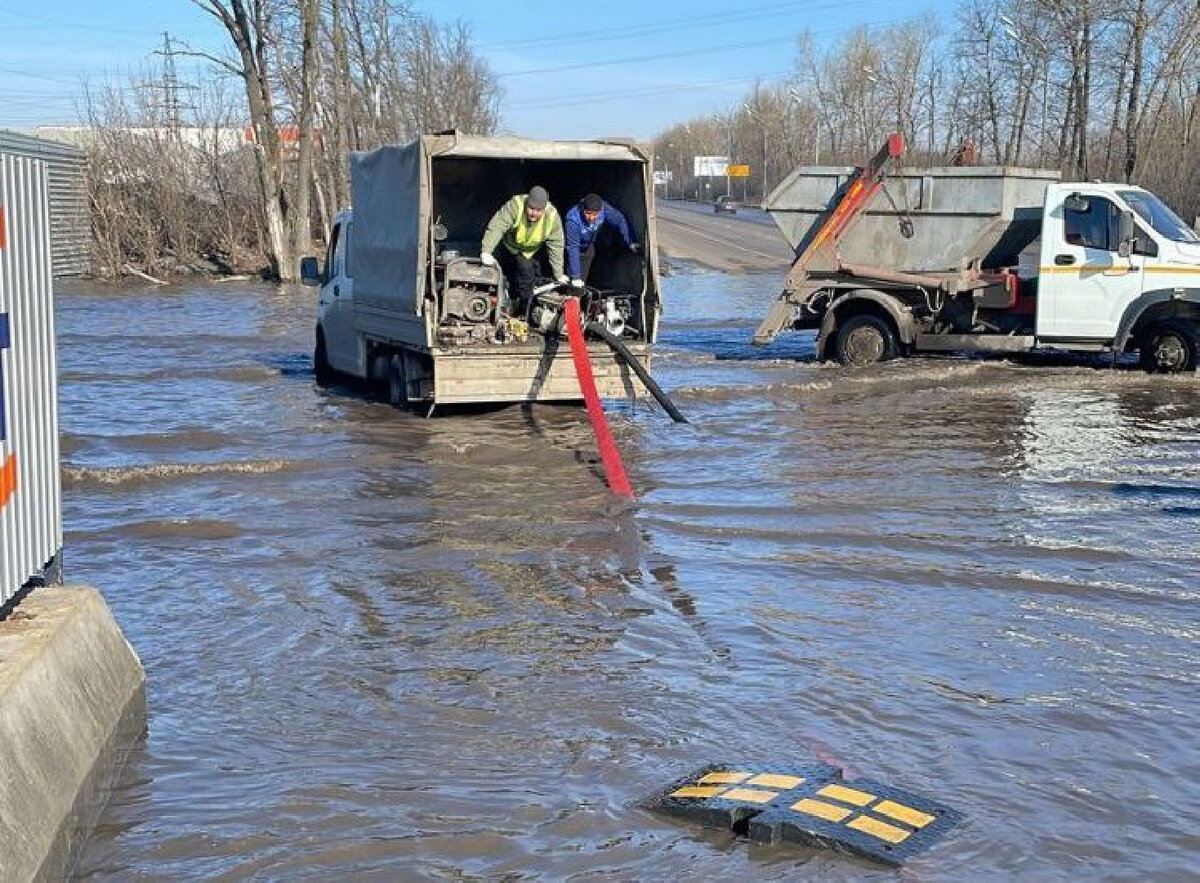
382 647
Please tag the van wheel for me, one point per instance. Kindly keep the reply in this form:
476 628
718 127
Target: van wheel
864 339
1170 347
397 382
321 369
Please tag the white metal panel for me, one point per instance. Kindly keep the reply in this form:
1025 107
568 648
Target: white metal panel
30 490
66 181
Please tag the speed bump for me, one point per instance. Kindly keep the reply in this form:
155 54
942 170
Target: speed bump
810 805
723 796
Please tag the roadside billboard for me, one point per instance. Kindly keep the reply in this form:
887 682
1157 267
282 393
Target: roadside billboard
710 166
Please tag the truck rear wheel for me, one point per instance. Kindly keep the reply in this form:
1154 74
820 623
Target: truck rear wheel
397 382
1170 347
864 339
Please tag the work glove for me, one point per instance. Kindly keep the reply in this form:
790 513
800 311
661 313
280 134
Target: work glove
489 259
577 283
635 247
563 279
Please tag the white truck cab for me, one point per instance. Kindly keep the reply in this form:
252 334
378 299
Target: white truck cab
338 346
1107 248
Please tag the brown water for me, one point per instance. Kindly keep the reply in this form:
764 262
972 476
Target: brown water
388 648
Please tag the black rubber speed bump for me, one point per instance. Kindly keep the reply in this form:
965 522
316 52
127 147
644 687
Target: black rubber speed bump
724 796
866 818
811 806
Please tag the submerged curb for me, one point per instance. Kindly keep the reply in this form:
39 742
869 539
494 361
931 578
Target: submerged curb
72 704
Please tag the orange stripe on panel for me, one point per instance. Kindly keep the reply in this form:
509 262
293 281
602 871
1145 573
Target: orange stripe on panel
8 479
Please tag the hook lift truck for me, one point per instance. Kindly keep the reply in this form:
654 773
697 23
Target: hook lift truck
985 260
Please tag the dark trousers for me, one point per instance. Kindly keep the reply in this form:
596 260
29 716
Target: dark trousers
607 240
521 273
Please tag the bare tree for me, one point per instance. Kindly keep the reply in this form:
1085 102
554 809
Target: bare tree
168 199
252 30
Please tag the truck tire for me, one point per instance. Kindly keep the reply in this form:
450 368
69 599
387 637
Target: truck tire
863 339
397 382
321 369
1170 347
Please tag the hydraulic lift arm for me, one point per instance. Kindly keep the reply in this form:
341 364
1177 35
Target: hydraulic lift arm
849 205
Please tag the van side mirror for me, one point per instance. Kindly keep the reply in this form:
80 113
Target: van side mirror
310 271
1125 234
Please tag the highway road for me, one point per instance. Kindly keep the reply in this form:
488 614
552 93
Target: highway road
741 243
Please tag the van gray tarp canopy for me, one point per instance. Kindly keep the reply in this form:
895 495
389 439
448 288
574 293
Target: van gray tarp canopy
390 230
529 149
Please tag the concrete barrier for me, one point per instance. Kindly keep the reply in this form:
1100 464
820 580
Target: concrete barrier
72 705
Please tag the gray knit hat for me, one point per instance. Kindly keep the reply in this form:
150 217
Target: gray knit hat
538 197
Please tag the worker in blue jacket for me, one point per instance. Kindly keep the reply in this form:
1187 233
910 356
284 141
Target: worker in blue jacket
592 224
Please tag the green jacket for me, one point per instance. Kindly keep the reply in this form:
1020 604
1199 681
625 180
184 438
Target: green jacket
510 228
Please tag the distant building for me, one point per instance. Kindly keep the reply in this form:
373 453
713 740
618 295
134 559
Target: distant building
226 139
66 181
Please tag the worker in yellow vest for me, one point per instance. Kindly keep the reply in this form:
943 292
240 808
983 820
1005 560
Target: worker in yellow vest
525 226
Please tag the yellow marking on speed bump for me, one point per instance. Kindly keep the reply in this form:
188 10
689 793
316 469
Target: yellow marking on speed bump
902 813
876 828
699 791
847 795
773 780
750 795
721 777
821 809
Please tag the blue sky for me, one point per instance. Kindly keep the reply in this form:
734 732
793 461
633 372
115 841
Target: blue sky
569 69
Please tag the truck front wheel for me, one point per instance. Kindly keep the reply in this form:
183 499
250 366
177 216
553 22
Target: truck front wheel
1170 347
864 339
321 369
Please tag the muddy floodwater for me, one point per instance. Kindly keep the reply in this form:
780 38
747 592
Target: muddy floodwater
382 647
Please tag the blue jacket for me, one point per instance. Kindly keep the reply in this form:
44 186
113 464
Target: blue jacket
580 235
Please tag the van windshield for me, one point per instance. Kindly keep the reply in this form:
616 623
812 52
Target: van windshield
1156 213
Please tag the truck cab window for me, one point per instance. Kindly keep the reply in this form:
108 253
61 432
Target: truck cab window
331 251
345 250
1095 225
1158 215
1145 244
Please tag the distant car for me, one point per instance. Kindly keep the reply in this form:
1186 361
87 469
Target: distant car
726 204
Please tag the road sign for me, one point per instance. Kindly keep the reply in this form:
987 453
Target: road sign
710 166
738 171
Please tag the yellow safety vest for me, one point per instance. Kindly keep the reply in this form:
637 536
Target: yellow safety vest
527 238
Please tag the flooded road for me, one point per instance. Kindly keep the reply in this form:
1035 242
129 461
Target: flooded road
386 648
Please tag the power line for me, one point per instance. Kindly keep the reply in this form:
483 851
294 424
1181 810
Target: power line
594 35
684 53
658 56
16 72
609 96
59 24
